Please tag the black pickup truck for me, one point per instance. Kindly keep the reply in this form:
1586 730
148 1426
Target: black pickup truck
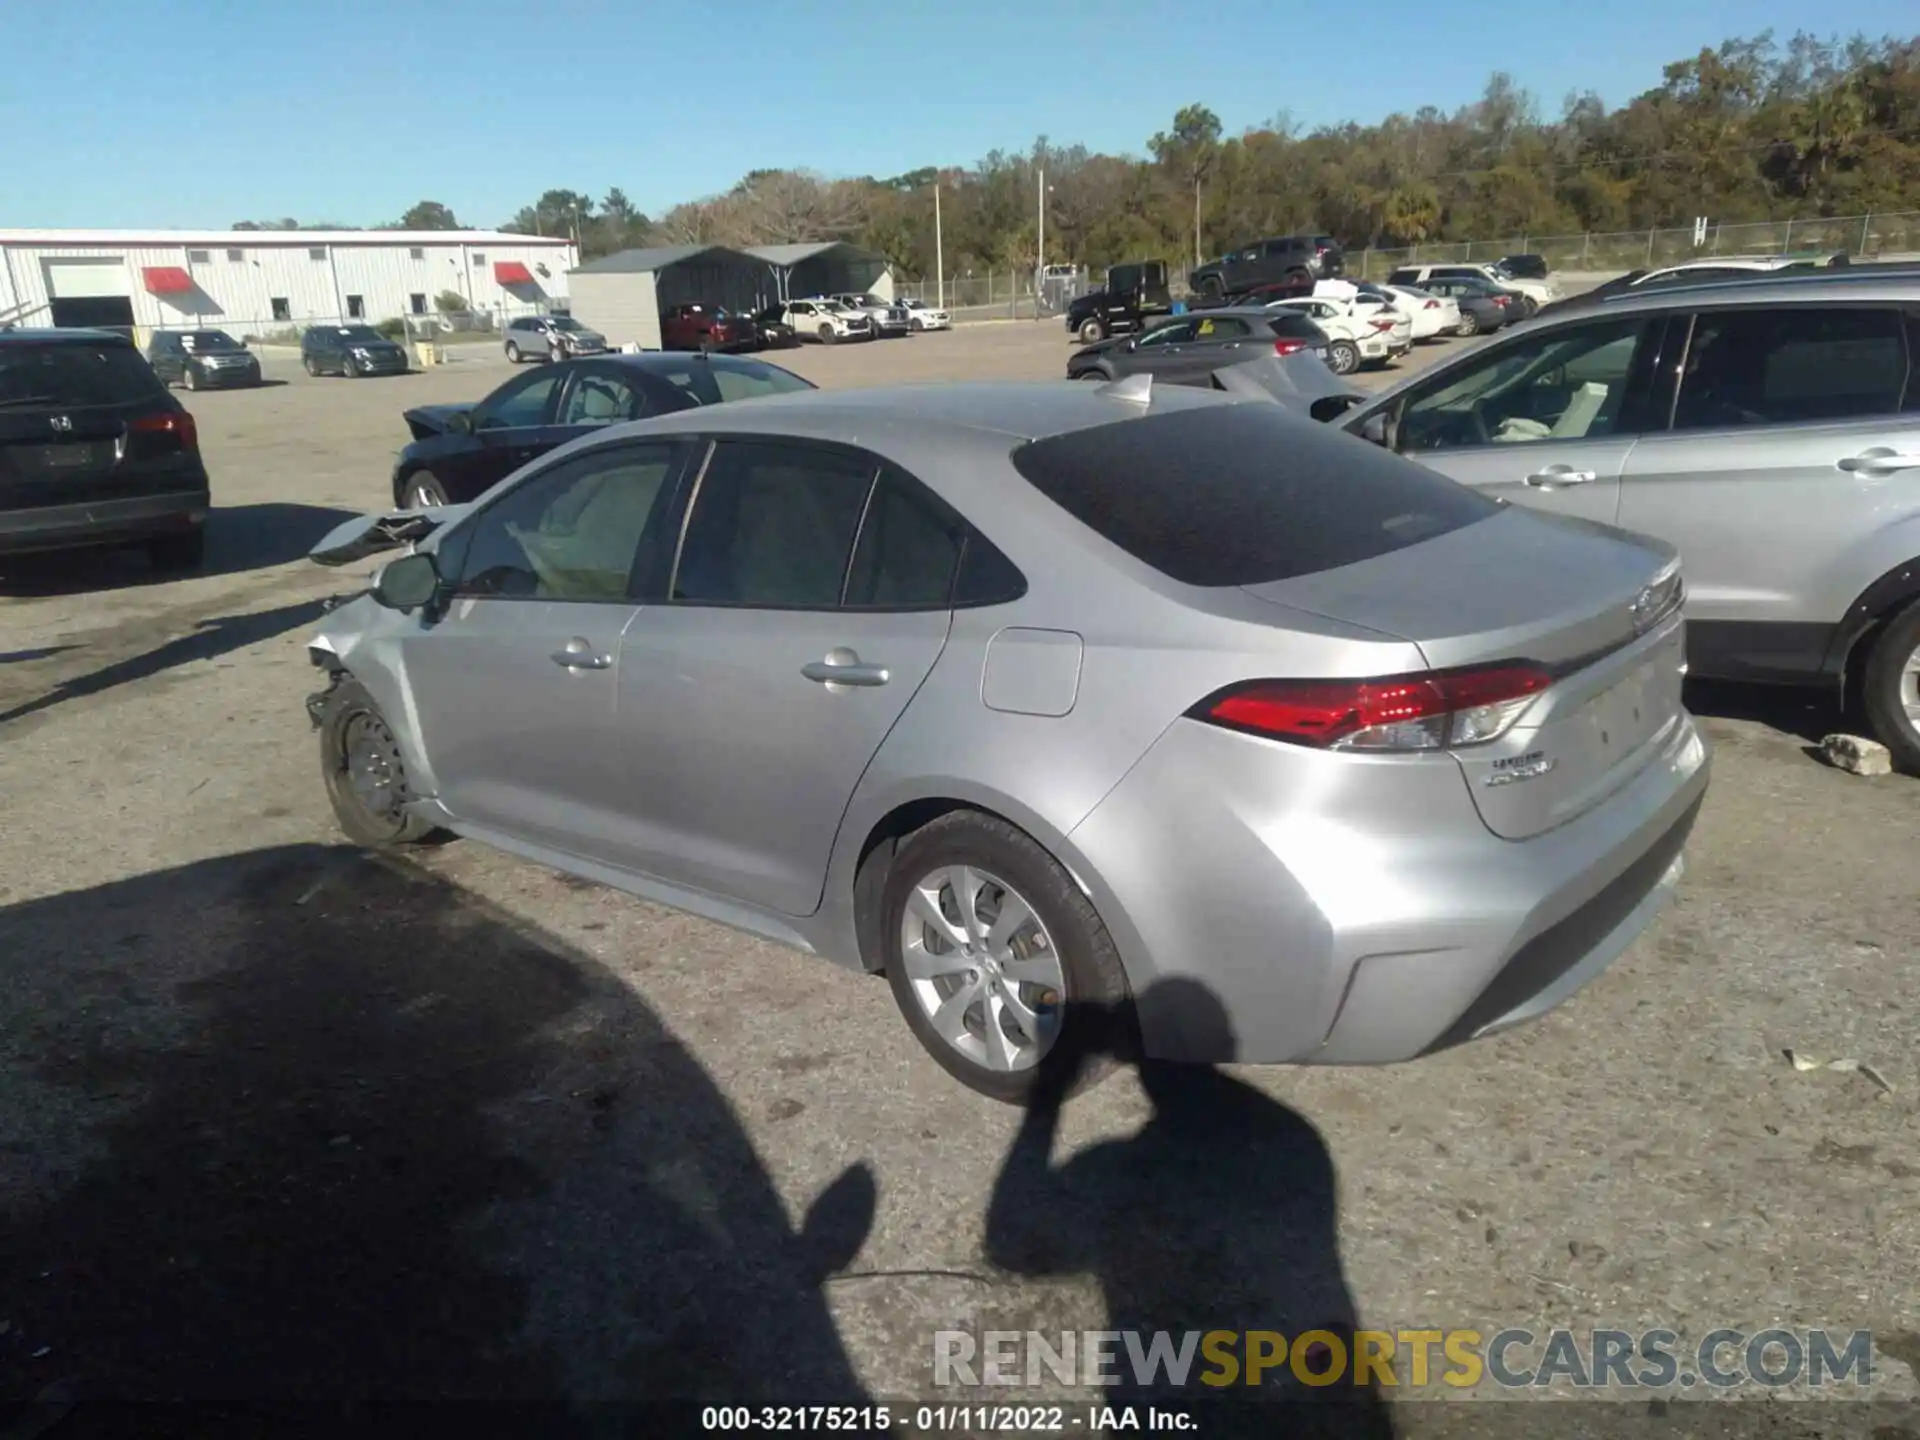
1134 294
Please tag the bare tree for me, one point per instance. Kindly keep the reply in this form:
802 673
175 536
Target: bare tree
786 207
693 223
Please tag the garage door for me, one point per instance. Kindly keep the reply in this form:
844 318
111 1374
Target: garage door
88 279
96 293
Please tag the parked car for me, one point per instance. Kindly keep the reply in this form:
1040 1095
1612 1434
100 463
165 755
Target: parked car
202 359
889 318
1523 267
827 321
1484 306
700 326
1291 289
350 350
815 667
1354 339
1694 272
1371 303
1134 294
1532 293
1268 262
460 451
1769 430
1188 349
927 317
95 451
775 332
556 337
1433 316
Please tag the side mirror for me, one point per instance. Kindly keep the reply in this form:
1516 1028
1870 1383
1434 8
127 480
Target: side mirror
1132 345
407 583
460 422
1374 428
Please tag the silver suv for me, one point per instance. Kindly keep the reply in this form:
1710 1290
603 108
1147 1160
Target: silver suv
1769 429
556 337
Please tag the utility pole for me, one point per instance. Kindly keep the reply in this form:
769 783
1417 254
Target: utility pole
1040 258
939 255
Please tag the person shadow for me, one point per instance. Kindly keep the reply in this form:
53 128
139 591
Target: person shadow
1220 1213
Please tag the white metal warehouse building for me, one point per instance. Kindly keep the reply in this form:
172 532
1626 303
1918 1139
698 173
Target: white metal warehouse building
256 282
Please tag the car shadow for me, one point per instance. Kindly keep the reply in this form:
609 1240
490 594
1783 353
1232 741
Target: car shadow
208 640
353 1135
1220 1213
239 538
1807 713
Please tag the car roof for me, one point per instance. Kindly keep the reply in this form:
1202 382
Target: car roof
51 336
1891 282
1013 409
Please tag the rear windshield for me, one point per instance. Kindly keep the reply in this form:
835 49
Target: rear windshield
72 373
1291 324
1243 494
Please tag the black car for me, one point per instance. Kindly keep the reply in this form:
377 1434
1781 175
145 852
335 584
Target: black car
351 350
1484 306
95 451
460 451
1523 267
1187 350
1269 262
202 359
775 332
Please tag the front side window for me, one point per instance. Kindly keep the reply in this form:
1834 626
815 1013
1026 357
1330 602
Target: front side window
1174 334
572 532
599 398
772 526
1573 383
1791 365
518 403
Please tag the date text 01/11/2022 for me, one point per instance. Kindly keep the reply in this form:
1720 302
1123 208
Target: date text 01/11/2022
946 1419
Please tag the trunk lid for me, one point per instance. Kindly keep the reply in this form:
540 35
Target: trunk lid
1597 607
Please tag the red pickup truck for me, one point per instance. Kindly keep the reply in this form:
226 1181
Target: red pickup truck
707 327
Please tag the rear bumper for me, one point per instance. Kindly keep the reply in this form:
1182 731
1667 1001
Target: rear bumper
1343 910
101 522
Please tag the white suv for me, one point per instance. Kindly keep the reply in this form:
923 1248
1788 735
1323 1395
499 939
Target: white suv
826 321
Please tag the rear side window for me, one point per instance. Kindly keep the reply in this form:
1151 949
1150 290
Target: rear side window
72 374
772 526
1243 494
1790 365
908 552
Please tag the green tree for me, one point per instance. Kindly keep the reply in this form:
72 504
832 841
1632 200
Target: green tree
1189 150
429 215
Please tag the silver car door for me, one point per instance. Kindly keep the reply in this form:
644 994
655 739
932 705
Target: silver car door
1545 419
1788 448
752 702
514 688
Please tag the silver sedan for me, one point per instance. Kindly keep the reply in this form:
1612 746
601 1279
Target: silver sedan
1045 701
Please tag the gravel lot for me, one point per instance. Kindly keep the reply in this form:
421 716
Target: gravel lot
281 1121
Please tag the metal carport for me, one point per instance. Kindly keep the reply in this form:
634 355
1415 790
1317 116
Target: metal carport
830 267
623 295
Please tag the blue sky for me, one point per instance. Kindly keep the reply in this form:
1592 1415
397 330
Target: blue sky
131 113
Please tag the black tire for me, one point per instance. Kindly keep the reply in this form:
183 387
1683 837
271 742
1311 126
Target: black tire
188 379
1529 307
1092 331
1881 688
1469 324
311 365
186 550
555 355
421 489
348 370
513 353
1343 357
1097 1030
1211 287
827 337
919 324
706 344
1099 375
352 730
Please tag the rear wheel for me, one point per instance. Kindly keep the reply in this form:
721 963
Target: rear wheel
184 551
1092 332
365 776
1890 689
999 961
1343 357
513 353
312 365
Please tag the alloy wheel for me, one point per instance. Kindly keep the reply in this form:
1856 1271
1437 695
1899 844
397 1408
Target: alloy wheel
1910 689
983 968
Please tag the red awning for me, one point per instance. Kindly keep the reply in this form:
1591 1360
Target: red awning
511 272
167 280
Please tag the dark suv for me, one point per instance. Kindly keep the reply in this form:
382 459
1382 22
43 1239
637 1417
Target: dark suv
95 451
1269 262
351 350
199 359
707 327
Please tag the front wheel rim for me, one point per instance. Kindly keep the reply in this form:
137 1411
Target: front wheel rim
982 968
370 761
425 496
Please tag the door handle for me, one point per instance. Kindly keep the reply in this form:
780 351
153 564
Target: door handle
1554 476
844 667
579 655
1878 458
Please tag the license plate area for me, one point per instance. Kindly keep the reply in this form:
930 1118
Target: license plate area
73 457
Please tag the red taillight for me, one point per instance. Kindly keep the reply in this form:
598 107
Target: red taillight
176 423
1498 299
1431 305
1383 324
1288 347
1434 711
